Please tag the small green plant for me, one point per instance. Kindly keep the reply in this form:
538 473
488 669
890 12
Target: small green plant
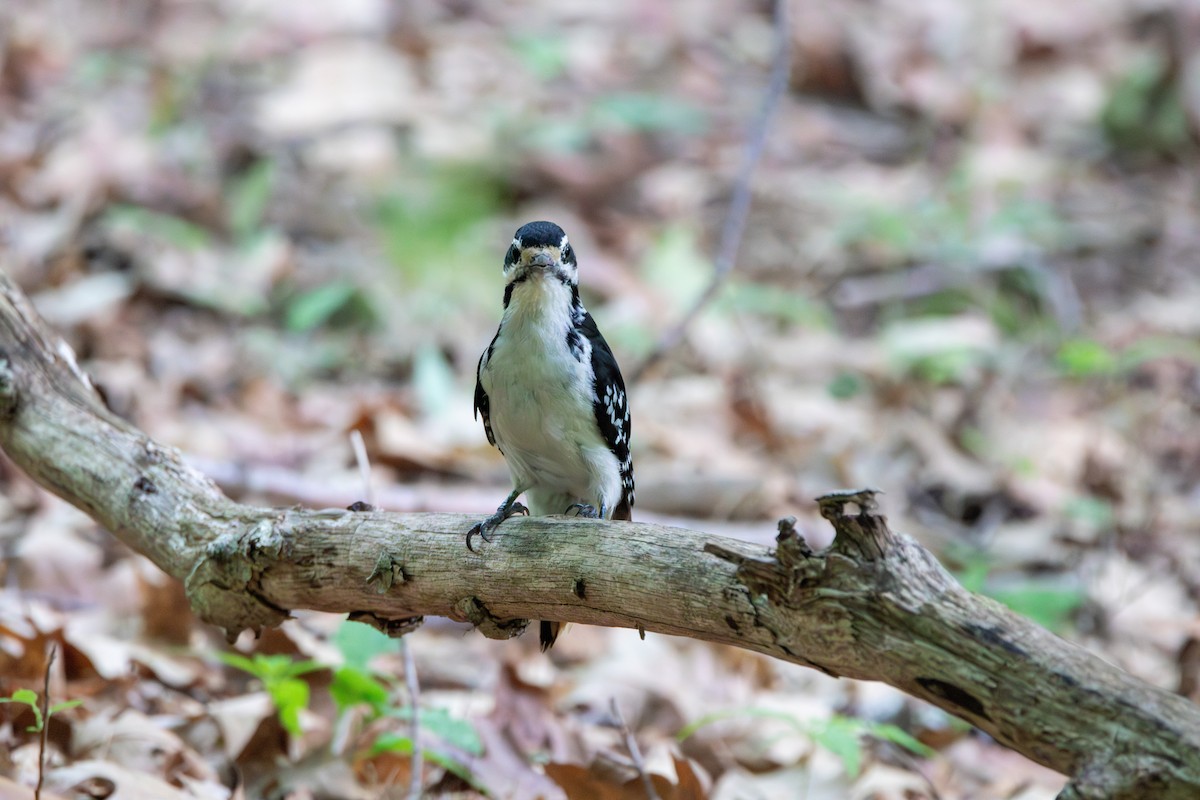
338 302
445 739
167 228
280 676
840 735
30 698
1085 358
249 196
354 683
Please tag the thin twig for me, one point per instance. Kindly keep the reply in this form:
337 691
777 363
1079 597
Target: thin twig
739 202
417 764
635 752
415 783
364 465
37 792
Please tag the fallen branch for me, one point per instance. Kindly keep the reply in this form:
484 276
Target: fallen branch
874 606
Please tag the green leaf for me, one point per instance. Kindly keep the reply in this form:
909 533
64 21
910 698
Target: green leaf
30 698
248 198
452 765
290 697
974 572
453 731
1049 606
280 678
63 706
239 661
403 745
898 736
359 643
1082 358
352 686
269 667
841 736
309 309
173 230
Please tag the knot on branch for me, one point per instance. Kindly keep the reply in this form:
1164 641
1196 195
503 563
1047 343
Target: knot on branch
388 572
223 586
395 628
862 532
473 610
790 571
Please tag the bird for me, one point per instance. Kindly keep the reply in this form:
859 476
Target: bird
551 395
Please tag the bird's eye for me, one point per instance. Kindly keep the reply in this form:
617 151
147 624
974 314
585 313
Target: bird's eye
514 255
568 253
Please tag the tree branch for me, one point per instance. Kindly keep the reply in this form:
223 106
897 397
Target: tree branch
874 606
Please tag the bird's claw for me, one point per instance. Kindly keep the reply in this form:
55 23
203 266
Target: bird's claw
586 510
485 528
477 530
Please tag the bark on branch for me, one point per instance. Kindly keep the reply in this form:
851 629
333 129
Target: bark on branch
874 606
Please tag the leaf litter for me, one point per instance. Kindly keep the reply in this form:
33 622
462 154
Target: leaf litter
968 279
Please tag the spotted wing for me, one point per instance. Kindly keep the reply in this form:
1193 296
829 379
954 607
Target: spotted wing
611 407
482 404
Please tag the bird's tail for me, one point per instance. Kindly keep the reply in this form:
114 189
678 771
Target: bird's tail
624 509
548 632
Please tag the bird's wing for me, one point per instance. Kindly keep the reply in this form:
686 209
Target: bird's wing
482 404
611 408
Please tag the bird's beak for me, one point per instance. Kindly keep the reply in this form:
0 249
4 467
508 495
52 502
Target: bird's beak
541 259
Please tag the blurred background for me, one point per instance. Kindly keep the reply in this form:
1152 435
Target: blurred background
968 278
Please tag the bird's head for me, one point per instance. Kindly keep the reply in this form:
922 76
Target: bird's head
539 251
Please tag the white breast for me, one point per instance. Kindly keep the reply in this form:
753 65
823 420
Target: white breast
540 400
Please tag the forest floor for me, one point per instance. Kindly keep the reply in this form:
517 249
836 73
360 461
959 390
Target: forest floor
970 278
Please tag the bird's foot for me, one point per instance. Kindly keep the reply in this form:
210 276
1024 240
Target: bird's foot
586 510
485 528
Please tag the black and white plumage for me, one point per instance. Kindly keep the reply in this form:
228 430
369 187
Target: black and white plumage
551 395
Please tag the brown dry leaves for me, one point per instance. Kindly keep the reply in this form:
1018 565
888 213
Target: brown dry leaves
969 279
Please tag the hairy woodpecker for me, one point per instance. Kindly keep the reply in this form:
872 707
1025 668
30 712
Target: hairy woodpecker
551 394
